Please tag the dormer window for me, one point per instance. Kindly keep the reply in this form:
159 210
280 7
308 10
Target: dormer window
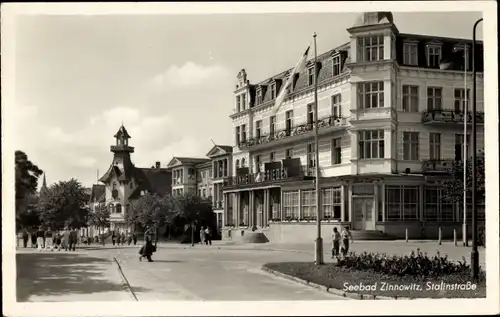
371 48
259 96
410 54
433 55
310 75
273 90
238 106
336 65
464 49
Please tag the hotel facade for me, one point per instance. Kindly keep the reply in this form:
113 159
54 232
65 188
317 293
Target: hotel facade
390 123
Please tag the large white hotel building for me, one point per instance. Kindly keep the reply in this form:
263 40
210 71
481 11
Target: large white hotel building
391 124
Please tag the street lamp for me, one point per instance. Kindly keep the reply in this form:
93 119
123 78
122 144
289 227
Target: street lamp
474 253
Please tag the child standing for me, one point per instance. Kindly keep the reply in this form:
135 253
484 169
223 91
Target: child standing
346 236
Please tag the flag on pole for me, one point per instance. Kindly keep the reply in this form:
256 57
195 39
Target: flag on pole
301 64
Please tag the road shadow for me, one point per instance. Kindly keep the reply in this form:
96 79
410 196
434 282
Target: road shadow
53 274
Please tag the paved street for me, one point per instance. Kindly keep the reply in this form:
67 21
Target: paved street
180 272
199 273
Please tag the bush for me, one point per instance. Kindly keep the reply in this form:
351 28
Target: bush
417 264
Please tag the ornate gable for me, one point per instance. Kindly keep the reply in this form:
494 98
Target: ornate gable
174 162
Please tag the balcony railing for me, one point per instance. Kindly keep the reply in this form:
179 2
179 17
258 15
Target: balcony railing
450 116
440 166
268 176
330 121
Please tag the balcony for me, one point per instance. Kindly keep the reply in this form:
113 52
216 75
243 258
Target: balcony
437 166
450 117
370 114
269 176
122 148
303 131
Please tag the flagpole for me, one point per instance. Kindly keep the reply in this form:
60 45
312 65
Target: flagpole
466 108
318 256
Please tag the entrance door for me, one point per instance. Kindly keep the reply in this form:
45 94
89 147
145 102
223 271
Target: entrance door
363 213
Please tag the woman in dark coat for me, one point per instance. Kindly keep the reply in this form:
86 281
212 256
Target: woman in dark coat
147 249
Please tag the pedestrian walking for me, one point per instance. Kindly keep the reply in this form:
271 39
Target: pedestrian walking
73 237
40 238
148 248
346 236
49 240
113 237
202 235
335 243
124 238
134 238
66 237
33 238
118 238
129 238
25 238
208 236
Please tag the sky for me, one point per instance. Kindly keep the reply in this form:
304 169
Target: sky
168 78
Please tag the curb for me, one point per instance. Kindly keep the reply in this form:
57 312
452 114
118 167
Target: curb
124 279
330 290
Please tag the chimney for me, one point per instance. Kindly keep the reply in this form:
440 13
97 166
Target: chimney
158 165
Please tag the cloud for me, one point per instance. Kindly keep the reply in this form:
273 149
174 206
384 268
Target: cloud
189 75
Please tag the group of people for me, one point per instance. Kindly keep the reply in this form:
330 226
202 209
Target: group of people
50 240
206 235
122 238
340 241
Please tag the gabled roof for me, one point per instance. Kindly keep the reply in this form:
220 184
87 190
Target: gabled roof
220 150
178 161
98 193
154 180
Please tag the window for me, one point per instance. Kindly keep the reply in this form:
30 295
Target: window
402 203
289 153
291 205
434 98
199 192
238 129
336 151
331 203
435 146
204 193
308 201
371 144
243 162
257 163
311 155
410 98
289 122
371 95
336 106
461 101
258 125
310 114
433 56
273 91
410 54
244 101
272 125
272 156
237 164
118 208
371 48
410 146
243 133
238 107
336 65
259 96
436 208
111 208
310 75
459 146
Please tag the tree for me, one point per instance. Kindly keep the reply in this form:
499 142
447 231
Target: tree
26 184
190 210
149 210
100 218
64 205
454 187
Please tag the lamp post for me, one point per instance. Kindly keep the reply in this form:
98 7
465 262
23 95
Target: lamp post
474 253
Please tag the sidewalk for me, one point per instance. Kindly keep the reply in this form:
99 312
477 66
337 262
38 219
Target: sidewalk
68 277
